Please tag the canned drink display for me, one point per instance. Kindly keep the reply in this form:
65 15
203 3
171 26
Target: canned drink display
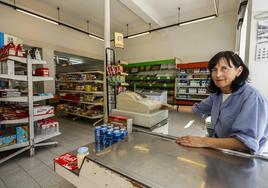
97 134
110 126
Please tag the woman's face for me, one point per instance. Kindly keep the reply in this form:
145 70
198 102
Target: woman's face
223 75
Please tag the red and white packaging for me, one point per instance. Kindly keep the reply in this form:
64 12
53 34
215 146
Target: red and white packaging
43 110
42 72
67 160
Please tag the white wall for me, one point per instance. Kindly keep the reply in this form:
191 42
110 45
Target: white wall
194 42
258 70
50 37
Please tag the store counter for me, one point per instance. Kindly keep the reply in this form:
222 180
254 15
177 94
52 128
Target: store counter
152 160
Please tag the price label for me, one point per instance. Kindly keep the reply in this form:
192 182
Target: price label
165 85
168 77
148 78
158 78
150 85
141 78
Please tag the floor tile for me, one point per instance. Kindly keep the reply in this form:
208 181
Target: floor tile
45 176
19 178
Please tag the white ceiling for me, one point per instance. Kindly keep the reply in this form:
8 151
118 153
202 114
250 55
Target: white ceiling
136 13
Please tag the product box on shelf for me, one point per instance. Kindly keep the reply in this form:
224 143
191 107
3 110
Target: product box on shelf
46 126
7 67
7 135
9 93
43 110
6 38
22 133
7 140
121 121
42 72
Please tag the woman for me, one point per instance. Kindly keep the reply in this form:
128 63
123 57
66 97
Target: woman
239 113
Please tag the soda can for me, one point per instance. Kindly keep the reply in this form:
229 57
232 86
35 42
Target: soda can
104 125
125 133
116 128
97 134
116 136
109 137
110 127
122 133
103 132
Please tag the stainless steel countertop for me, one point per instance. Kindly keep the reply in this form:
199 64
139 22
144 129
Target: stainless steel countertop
158 162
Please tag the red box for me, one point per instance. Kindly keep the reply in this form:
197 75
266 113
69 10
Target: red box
42 72
67 160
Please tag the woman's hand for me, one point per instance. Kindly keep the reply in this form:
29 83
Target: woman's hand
165 106
192 141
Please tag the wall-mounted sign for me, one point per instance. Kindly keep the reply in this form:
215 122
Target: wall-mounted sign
118 40
262 41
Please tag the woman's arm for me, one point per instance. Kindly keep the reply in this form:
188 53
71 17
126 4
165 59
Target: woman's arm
224 143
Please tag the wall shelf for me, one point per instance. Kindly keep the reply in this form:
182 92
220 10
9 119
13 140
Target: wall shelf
192 80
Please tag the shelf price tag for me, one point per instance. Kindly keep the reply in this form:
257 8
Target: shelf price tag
158 78
148 78
150 85
168 77
165 85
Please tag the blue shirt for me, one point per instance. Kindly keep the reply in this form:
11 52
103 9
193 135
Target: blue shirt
243 115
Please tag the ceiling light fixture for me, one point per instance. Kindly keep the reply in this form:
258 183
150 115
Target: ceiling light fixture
63 58
44 18
37 16
75 61
197 20
96 37
216 8
138 35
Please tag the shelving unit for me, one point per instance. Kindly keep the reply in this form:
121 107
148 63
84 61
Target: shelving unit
116 79
191 83
82 92
153 77
33 140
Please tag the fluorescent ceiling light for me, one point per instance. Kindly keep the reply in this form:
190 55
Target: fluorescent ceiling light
138 35
197 20
63 58
95 37
76 61
36 16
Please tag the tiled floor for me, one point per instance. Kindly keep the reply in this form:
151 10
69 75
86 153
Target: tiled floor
37 171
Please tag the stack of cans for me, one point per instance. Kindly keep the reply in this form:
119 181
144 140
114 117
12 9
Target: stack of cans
106 135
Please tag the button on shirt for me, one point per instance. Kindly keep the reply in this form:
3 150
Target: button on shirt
243 115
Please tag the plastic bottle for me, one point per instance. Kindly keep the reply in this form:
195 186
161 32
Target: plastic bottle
81 153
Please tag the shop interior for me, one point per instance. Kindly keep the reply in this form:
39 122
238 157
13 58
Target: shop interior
95 93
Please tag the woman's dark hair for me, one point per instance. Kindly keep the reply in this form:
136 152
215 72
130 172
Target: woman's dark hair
233 58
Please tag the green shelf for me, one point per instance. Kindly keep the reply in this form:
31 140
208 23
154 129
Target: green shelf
159 78
169 85
146 63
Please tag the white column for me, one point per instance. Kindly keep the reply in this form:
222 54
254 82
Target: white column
106 45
